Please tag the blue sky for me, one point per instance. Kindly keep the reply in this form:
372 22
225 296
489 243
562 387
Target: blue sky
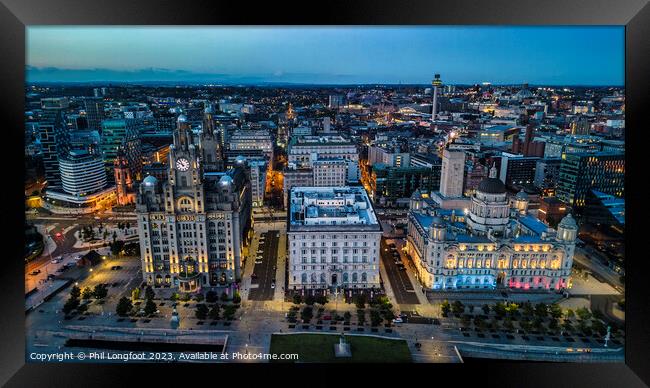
537 55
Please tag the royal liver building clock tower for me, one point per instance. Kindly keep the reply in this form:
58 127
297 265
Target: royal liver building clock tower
191 226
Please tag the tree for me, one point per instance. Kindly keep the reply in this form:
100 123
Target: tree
114 236
150 307
236 298
128 225
321 299
570 313
135 294
512 308
583 313
70 305
556 311
82 308
87 293
528 309
100 291
214 312
347 316
297 299
211 297
310 300
199 297
486 309
360 301
499 309
541 310
224 296
124 306
75 292
149 293
457 307
201 311
445 307
307 313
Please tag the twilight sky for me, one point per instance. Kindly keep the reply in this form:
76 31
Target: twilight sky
328 55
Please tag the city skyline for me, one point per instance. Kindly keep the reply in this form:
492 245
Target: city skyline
328 56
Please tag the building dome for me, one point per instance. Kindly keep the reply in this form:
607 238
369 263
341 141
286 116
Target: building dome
150 181
568 222
225 180
240 159
522 195
182 118
491 186
209 110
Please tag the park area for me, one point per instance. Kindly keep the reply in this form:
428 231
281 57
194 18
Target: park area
319 348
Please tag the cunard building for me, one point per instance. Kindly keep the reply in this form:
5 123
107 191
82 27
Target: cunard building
494 244
192 226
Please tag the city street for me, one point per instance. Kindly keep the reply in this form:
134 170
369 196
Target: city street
265 271
399 280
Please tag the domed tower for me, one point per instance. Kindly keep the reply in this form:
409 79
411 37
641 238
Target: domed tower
438 229
567 229
520 203
489 208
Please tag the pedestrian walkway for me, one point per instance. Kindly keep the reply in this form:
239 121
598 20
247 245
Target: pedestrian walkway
280 272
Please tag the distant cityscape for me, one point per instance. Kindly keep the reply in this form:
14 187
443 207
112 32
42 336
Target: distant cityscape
441 221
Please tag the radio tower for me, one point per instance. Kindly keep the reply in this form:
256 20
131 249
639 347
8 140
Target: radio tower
435 83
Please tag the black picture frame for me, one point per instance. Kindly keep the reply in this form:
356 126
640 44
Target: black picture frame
15 15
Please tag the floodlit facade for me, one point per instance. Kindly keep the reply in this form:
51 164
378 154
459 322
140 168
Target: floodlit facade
333 236
192 226
493 248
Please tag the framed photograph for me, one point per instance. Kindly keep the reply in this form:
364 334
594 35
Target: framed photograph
413 189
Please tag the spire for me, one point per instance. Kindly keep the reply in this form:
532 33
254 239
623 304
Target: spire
493 171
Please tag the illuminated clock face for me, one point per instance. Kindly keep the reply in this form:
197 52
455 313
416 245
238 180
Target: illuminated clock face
182 164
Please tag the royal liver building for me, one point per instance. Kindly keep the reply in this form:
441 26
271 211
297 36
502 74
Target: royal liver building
192 227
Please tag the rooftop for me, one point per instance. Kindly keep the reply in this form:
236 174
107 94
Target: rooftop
335 208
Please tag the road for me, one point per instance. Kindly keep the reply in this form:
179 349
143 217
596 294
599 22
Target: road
399 280
594 265
265 271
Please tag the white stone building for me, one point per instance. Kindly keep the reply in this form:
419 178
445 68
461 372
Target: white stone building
483 252
333 239
191 227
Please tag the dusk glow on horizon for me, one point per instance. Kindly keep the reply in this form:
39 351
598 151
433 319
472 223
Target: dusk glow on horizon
589 55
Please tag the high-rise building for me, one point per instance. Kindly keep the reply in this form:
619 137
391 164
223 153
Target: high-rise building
436 83
518 171
547 173
579 173
453 171
83 184
192 226
121 134
333 239
336 101
55 142
245 140
94 107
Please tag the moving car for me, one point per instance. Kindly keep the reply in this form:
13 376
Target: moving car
35 272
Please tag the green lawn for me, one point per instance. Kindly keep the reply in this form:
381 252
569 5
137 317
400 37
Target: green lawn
320 348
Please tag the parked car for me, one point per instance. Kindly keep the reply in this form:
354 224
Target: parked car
35 272
398 320
253 275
